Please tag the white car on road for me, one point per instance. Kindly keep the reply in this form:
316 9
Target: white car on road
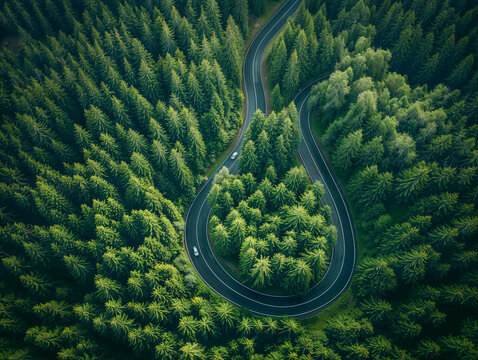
234 156
195 251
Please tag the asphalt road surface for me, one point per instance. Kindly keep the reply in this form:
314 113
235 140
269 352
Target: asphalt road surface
344 255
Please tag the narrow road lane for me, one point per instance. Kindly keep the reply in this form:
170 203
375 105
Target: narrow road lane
343 258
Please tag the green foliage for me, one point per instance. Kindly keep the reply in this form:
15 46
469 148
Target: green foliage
270 141
394 146
111 111
270 232
277 100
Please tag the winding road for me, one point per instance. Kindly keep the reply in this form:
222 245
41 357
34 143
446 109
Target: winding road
344 255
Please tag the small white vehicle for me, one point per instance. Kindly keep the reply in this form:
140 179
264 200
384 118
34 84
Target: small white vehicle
234 156
195 251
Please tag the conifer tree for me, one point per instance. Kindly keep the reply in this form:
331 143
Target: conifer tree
181 172
276 99
221 240
412 182
148 82
261 272
279 60
97 121
461 72
248 161
241 14
292 74
231 55
299 276
349 149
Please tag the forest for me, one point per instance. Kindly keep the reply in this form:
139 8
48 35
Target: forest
397 117
112 112
276 230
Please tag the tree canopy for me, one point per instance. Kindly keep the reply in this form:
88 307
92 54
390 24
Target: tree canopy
269 233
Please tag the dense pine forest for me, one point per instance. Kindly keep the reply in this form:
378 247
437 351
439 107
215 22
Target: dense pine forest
274 228
397 117
113 111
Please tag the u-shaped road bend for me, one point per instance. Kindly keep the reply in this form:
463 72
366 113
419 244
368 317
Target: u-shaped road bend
344 254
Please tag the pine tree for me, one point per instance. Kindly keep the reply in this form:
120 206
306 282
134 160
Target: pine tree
412 182
280 196
296 180
297 218
369 186
256 126
140 165
298 277
281 155
407 330
301 45
194 92
278 60
326 49
174 124
148 82
159 154
187 327
377 310
413 265
292 75
428 71
375 277
241 15
221 240
44 338
226 315
197 149
231 56
349 149
317 260
428 349
97 122
166 348
206 327
36 283
461 72
237 233
257 200
372 151
400 237
261 272
288 246
166 39
78 267
248 161
106 288
380 346
177 86
181 172
401 48
247 258
276 99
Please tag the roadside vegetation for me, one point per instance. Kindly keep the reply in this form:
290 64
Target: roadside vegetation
406 152
275 228
111 112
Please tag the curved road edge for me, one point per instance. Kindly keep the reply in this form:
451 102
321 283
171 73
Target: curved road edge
343 259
